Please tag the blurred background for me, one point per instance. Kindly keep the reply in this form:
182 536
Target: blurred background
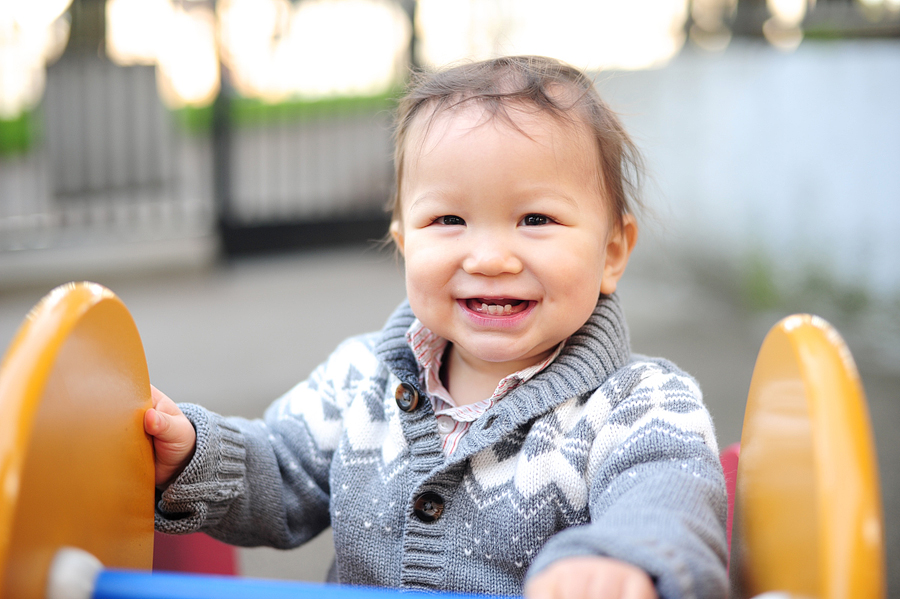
223 166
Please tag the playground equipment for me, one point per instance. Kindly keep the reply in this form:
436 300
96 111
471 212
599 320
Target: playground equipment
807 504
76 468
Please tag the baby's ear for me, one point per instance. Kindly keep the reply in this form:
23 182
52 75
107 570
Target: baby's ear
618 250
396 230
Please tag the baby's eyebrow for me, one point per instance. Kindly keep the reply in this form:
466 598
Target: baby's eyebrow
550 193
428 196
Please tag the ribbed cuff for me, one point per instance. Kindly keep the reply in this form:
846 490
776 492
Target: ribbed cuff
202 493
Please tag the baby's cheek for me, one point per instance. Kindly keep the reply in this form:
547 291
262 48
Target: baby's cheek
420 268
429 286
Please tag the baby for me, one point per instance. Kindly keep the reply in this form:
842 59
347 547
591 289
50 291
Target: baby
497 435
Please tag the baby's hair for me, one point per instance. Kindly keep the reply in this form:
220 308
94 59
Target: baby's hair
545 83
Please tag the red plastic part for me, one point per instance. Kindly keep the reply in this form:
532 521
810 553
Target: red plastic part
729 457
195 553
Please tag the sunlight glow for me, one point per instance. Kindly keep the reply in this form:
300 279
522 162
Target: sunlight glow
591 34
273 49
181 42
362 51
33 34
250 32
318 48
788 12
277 49
709 29
783 30
37 13
132 30
187 71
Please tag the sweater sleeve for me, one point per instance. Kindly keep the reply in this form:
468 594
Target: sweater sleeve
658 498
264 481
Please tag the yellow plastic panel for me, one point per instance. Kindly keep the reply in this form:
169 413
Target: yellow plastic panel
76 468
808 498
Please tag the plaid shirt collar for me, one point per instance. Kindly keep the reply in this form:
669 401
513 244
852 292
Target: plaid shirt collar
428 349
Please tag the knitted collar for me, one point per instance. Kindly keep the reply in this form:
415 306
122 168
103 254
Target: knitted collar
590 356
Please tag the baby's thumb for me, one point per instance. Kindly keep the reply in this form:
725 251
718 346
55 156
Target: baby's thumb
174 431
158 424
173 442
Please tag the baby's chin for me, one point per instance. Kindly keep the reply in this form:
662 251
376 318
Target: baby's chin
495 355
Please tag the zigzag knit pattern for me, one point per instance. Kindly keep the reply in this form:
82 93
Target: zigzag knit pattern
602 453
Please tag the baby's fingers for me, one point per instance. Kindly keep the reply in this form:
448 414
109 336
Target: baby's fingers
591 578
160 425
173 435
165 420
162 402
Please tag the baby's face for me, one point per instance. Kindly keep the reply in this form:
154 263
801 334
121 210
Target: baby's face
506 236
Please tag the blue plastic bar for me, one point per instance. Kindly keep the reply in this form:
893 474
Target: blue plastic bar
127 584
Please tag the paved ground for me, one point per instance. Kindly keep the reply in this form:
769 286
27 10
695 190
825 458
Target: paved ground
233 337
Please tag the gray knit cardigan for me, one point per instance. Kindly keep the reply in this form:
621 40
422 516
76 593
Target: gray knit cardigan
602 453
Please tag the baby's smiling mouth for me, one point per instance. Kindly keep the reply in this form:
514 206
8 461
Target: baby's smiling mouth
496 306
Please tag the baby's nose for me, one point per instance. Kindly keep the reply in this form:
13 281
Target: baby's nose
491 256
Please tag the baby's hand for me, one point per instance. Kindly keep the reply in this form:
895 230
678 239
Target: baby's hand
173 435
591 577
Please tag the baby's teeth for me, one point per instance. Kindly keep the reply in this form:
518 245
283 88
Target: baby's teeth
495 309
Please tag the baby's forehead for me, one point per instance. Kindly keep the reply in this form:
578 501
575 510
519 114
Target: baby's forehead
434 122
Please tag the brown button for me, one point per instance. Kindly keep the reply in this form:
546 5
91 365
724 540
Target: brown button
407 397
428 507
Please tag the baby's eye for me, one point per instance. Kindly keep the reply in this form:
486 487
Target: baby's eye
450 219
535 220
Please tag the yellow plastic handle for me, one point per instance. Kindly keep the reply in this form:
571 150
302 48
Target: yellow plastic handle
808 497
76 468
